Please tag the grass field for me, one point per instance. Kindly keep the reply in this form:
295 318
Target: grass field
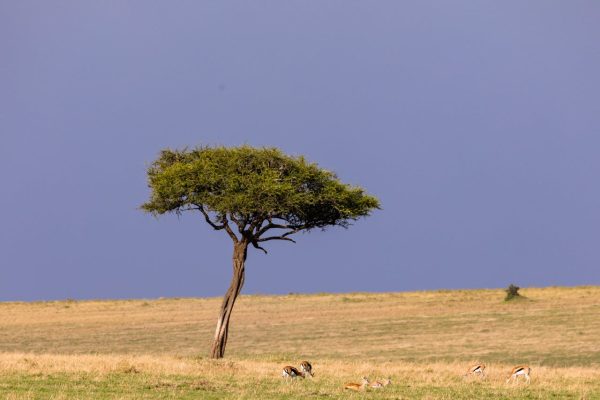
155 349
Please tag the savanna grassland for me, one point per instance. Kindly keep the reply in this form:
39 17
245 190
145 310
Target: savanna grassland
156 349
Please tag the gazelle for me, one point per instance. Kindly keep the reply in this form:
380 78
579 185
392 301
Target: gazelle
381 384
376 385
519 370
291 372
476 369
306 368
357 386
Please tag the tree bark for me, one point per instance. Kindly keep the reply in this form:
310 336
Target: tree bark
240 250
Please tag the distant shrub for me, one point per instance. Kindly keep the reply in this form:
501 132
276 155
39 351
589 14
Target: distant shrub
512 292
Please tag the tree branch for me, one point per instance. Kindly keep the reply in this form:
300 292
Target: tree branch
257 221
255 244
228 229
207 218
271 225
276 238
241 224
224 224
292 232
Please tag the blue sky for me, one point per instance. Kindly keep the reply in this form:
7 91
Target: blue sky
476 123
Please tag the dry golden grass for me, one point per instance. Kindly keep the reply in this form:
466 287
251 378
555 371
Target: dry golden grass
424 340
556 326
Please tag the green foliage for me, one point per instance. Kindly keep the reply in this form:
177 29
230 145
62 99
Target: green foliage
512 292
251 187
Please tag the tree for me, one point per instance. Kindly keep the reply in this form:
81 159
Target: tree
255 195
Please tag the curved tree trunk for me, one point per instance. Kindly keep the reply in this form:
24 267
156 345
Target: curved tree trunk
237 281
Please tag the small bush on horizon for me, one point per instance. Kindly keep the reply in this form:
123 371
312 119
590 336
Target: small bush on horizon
512 292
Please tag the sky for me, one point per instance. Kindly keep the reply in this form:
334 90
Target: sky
476 123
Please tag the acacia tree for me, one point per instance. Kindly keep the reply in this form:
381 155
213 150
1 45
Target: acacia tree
255 195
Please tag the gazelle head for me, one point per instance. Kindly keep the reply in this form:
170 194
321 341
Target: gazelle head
306 367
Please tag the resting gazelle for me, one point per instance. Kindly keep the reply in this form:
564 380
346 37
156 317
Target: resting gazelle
520 370
306 368
381 384
476 369
357 386
291 372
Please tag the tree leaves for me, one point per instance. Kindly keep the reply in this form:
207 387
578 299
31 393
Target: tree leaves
253 187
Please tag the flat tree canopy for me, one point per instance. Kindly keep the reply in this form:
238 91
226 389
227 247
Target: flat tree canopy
253 186
255 195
